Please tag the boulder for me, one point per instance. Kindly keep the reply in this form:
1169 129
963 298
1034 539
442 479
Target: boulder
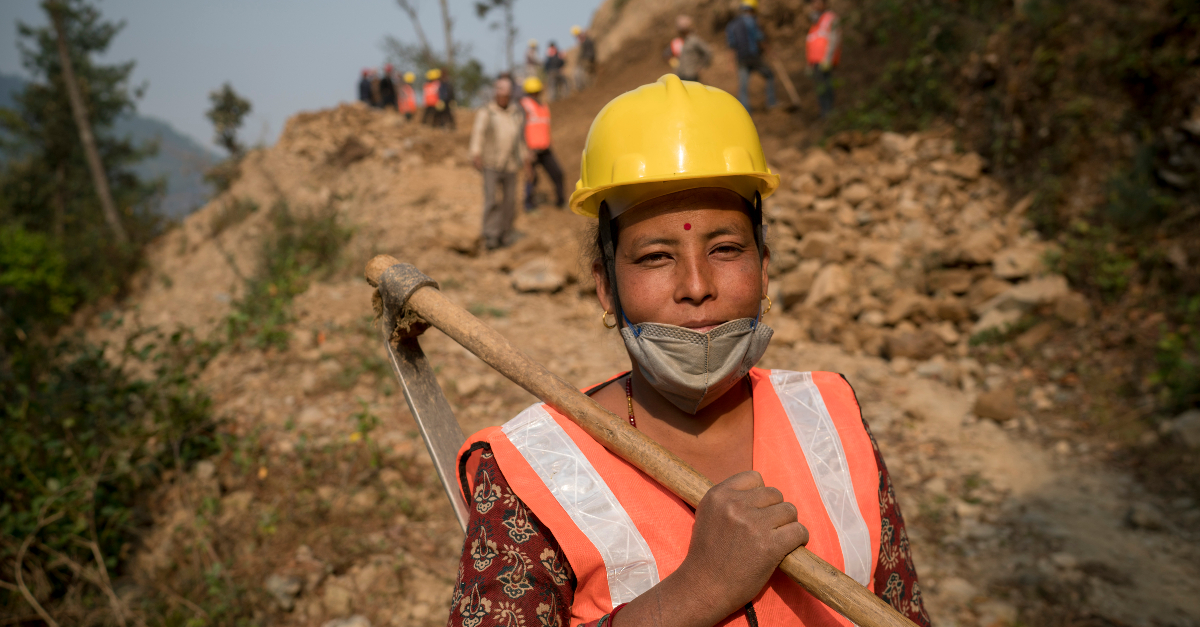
1028 294
953 280
787 330
951 309
915 345
856 193
795 285
540 274
358 620
460 236
893 172
820 245
984 290
807 222
804 183
1073 308
1018 262
947 332
284 589
896 145
818 162
1187 427
977 247
999 404
904 305
967 167
831 281
1145 516
996 320
887 254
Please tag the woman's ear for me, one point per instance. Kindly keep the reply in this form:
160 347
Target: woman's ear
603 291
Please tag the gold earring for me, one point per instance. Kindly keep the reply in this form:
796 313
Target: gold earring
768 310
604 320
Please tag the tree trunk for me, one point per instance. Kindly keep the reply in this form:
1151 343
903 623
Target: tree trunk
60 202
99 178
412 17
447 24
510 34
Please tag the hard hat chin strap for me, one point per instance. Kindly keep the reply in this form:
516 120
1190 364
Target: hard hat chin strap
609 250
608 246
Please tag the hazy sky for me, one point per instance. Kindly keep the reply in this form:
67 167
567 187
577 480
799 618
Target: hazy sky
284 55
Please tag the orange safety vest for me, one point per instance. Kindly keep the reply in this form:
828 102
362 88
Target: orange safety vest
431 93
408 99
677 47
537 124
623 532
817 41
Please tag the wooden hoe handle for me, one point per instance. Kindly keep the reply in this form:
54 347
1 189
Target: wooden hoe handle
818 577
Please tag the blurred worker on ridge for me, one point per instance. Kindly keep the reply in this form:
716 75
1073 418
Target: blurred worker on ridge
824 51
747 40
429 92
537 141
585 60
387 89
498 151
364 87
556 83
447 100
408 96
688 53
376 97
533 64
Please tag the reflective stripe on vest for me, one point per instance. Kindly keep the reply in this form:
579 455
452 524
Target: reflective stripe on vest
826 458
592 506
817 41
677 47
431 93
622 532
537 124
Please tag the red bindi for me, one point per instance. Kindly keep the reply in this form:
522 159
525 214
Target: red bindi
687 226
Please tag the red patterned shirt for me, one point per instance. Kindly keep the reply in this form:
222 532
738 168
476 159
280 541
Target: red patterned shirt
513 572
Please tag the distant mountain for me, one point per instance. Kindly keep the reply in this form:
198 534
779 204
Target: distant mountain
181 159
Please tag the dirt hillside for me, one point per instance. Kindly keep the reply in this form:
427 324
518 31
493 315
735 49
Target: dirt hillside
890 253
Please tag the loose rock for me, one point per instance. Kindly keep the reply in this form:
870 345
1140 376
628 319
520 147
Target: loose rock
999 405
538 275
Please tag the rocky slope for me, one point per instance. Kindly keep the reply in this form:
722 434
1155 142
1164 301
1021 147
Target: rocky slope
889 255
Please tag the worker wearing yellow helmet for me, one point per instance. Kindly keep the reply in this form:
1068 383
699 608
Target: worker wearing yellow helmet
407 101
533 63
674 176
431 92
537 143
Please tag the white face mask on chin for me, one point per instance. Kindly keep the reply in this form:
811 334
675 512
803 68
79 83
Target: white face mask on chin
690 368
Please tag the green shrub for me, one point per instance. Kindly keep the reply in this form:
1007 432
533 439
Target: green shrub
298 248
1177 354
83 440
33 279
232 213
1092 259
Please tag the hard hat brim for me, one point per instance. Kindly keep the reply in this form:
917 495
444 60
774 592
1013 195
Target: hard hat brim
586 202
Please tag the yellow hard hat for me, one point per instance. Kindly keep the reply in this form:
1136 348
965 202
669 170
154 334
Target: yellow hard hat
753 4
575 30
666 137
533 43
409 77
433 75
532 85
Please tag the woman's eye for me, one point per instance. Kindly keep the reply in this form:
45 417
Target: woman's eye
653 257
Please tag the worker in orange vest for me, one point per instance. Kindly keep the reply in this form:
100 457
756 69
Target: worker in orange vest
433 101
537 140
674 176
824 51
408 96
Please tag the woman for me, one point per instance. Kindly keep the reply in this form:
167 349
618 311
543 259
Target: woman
562 532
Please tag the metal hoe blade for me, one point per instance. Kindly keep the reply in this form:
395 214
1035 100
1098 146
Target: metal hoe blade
443 437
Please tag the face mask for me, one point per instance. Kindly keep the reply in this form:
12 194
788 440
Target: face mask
690 368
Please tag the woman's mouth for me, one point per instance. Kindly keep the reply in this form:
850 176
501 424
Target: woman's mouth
703 326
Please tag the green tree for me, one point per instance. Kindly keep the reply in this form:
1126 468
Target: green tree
226 114
45 186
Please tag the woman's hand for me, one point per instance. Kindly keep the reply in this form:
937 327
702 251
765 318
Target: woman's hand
743 531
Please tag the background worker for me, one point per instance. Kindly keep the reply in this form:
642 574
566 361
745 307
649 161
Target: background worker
824 51
408 96
387 89
447 100
748 42
376 96
533 64
563 529
585 60
556 83
364 87
689 50
537 143
430 92
498 151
